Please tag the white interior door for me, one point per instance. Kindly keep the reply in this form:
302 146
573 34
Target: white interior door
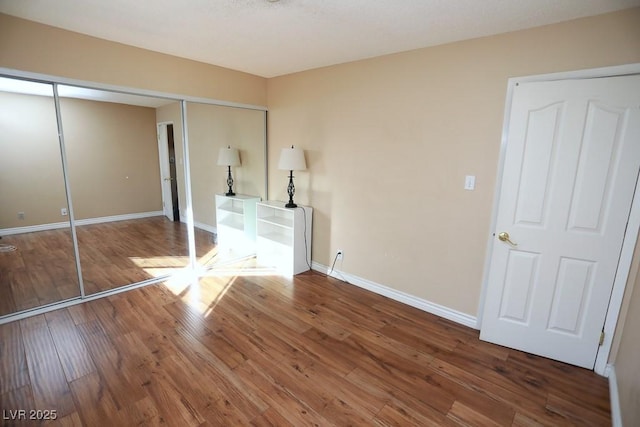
165 172
571 164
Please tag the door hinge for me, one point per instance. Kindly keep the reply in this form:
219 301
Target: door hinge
601 338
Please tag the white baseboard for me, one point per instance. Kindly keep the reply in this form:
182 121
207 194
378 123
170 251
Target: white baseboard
614 396
87 221
113 218
205 227
33 228
413 301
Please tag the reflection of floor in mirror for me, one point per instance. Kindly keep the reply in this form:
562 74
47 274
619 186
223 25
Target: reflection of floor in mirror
42 270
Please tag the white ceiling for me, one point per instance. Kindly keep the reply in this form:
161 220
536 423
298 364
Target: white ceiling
270 38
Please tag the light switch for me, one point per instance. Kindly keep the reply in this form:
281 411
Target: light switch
470 182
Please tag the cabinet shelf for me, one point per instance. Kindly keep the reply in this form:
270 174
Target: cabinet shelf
276 238
283 237
277 220
232 222
236 224
232 209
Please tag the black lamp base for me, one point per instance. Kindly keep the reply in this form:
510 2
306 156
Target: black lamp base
230 184
291 190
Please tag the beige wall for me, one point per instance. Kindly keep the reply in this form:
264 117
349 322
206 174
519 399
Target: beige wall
112 154
111 151
389 141
210 128
31 179
627 364
29 46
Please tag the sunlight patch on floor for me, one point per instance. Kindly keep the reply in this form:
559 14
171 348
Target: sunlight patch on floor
160 262
205 287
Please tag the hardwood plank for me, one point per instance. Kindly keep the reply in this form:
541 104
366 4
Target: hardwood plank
499 373
14 401
293 380
22 290
95 402
403 350
464 415
362 315
227 384
13 363
148 326
522 402
277 396
273 307
146 376
576 412
521 420
72 352
7 302
223 412
71 420
396 413
271 418
50 388
583 385
144 412
427 341
400 404
116 371
401 374
475 400
81 313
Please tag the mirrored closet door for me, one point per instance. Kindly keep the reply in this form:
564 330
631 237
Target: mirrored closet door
37 262
113 148
211 128
120 181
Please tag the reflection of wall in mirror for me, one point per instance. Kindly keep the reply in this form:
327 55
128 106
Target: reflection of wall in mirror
210 128
112 154
112 157
31 179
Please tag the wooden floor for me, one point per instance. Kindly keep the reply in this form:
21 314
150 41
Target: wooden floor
43 271
270 351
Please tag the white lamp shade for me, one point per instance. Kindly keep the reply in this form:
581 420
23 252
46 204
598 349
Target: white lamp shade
292 159
228 156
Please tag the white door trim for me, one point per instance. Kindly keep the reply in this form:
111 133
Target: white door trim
633 226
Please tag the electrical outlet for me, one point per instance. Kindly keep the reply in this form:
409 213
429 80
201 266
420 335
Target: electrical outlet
20 215
64 212
339 254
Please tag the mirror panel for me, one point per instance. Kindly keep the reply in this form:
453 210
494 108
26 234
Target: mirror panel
116 185
210 128
37 263
126 170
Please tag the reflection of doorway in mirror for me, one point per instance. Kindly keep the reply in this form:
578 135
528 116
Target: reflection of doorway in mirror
168 174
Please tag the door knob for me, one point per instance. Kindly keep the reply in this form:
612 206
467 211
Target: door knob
167 179
504 237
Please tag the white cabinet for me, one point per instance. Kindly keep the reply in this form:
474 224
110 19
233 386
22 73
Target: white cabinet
236 225
284 237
